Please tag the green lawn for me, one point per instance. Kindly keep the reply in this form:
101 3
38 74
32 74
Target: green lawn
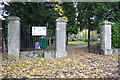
73 45
81 42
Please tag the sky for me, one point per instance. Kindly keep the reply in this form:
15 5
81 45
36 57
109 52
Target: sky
2 12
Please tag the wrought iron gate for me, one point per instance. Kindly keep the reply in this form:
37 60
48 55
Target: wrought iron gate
3 36
28 42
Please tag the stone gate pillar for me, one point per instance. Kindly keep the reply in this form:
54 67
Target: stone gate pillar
105 36
61 38
13 37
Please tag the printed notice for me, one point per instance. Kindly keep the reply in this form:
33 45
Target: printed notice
39 31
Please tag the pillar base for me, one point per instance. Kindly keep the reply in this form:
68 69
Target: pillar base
60 54
13 57
106 51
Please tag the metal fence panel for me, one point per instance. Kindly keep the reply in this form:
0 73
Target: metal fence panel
29 42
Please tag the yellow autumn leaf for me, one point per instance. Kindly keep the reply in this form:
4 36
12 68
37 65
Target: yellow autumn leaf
27 75
62 75
98 69
56 9
59 2
77 72
8 1
57 6
19 69
29 0
64 17
95 75
39 62
2 77
36 77
23 2
14 71
35 71
61 10
4 73
20 65
83 65
68 74
60 13
42 59
28 69
80 71
29 62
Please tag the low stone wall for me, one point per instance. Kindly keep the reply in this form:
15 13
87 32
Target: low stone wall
97 50
116 51
37 54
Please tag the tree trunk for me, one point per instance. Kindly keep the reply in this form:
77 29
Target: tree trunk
67 38
89 40
1 47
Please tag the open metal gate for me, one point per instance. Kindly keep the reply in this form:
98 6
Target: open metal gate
29 42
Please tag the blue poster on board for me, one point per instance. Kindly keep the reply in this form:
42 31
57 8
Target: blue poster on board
37 45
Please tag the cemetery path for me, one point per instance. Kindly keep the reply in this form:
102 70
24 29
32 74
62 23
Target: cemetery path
80 46
78 64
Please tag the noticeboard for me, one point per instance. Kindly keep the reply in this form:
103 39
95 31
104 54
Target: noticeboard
39 31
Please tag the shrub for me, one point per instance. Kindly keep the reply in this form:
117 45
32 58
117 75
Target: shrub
72 39
81 38
85 40
116 35
94 35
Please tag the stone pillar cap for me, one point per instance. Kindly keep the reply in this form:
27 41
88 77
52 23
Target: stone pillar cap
13 18
61 20
105 23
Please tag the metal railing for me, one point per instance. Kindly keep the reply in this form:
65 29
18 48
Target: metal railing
29 42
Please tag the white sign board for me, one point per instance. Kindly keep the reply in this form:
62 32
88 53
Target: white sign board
39 31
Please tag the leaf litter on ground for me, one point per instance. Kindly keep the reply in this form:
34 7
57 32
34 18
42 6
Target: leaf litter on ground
78 64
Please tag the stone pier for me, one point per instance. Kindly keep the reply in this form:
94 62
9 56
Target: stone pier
61 38
13 37
105 36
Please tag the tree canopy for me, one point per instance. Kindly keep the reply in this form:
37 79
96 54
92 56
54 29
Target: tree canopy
36 13
89 14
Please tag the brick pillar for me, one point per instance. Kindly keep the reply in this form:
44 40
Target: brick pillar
105 36
61 38
13 37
